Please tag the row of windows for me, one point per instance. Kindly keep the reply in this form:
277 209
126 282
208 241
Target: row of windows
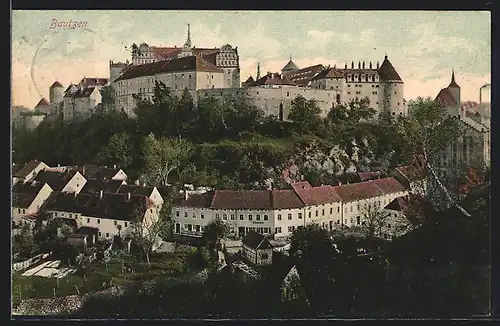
232 217
373 78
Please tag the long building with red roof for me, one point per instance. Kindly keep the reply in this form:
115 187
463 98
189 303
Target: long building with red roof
280 212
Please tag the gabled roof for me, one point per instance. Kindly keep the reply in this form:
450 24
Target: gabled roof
28 168
329 73
97 172
110 206
365 176
285 199
57 84
273 79
242 199
23 194
445 98
42 102
136 190
56 180
388 185
87 82
290 66
304 76
387 71
414 171
80 92
96 185
249 80
190 63
358 191
318 195
256 241
195 200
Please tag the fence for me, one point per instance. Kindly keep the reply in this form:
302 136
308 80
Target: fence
28 262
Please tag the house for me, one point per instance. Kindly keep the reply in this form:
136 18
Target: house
413 176
142 190
94 186
27 198
102 172
111 214
291 287
84 237
408 212
28 171
67 181
257 249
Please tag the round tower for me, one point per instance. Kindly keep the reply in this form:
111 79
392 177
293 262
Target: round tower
56 93
391 94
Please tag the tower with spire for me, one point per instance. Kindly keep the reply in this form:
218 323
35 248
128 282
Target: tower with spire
455 90
187 49
258 71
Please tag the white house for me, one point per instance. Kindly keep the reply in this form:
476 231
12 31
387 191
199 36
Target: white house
67 181
112 214
29 171
150 192
100 172
27 198
256 249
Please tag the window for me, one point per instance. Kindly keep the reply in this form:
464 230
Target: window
257 217
290 229
331 210
202 215
126 224
100 234
217 215
224 216
98 221
115 223
348 92
287 93
88 220
289 216
351 208
107 235
277 230
358 220
241 217
266 217
358 207
232 217
250 217
323 212
299 215
316 213
309 214
265 256
279 217
185 214
177 213
338 209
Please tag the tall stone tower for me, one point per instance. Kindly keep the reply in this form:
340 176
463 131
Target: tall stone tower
56 93
391 95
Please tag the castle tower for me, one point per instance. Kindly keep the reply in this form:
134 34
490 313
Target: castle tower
391 95
186 48
56 92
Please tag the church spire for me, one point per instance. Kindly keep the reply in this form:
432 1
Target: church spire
258 70
188 40
453 83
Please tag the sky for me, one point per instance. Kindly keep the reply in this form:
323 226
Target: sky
423 46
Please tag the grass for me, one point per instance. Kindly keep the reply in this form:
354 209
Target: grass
100 276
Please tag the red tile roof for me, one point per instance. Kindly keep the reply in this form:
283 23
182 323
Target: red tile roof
387 71
389 185
304 76
273 79
358 191
470 106
285 199
318 195
445 98
290 66
195 200
243 199
191 63
42 102
301 185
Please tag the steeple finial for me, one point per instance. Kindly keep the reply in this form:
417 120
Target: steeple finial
290 57
188 40
258 70
452 75
386 56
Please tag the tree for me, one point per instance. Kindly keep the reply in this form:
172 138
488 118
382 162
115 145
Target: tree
145 229
374 220
305 114
108 98
118 151
213 233
429 130
162 156
184 113
472 180
23 243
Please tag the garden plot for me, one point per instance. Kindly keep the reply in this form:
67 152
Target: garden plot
49 269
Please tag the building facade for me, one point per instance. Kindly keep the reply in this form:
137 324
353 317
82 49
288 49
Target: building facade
80 100
280 212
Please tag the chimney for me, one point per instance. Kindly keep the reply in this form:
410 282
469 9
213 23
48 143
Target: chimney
83 170
144 184
100 194
114 166
370 65
378 65
58 165
128 196
352 64
345 66
359 64
363 65
137 182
